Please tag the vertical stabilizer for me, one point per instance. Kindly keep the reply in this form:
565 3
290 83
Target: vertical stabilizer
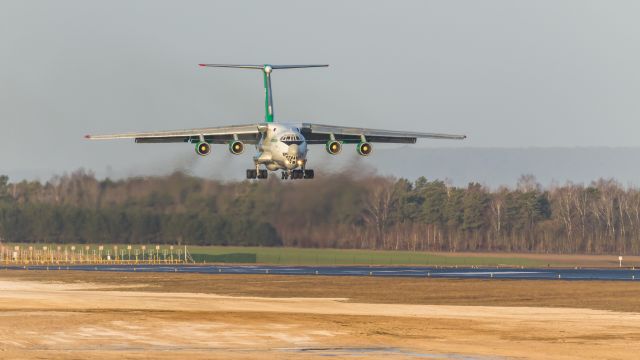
266 72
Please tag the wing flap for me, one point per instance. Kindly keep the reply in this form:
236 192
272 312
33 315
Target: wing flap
353 139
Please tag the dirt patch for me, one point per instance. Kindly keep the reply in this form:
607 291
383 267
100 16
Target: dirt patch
606 261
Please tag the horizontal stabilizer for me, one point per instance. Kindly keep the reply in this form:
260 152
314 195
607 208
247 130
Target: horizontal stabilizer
263 67
297 66
257 67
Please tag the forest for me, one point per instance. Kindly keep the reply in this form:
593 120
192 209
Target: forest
336 211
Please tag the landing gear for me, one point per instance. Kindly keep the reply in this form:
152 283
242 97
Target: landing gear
308 174
297 174
257 174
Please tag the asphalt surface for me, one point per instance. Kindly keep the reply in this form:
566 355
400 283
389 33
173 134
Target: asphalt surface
404 271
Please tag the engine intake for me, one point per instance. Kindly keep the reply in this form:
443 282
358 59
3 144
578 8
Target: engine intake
333 147
236 147
203 148
364 148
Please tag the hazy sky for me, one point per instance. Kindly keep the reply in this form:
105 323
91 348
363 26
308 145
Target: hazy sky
506 73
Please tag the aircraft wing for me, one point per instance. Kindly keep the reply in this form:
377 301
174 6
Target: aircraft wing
320 134
249 134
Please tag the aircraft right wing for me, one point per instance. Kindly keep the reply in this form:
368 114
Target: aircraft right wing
249 134
320 134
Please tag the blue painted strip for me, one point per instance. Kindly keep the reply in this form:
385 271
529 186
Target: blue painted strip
432 272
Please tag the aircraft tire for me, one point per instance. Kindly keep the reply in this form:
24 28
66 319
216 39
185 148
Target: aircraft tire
298 174
309 174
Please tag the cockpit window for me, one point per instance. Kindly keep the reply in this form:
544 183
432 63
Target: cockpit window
290 139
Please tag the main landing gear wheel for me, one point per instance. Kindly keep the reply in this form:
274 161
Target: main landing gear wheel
297 174
257 174
308 174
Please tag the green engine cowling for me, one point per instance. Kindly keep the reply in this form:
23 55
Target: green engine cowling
203 148
236 147
364 148
333 147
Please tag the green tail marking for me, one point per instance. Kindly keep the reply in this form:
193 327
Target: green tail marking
268 95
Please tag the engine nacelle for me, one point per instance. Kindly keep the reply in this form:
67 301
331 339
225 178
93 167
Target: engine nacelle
203 148
333 147
364 148
236 147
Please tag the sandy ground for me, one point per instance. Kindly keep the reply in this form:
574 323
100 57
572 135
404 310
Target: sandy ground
599 295
46 320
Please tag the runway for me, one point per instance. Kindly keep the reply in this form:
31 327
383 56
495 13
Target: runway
404 271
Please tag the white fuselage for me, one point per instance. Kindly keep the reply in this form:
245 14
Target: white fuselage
282 147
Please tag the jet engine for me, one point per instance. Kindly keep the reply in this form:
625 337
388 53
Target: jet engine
364 148
203 148
333 147
236 147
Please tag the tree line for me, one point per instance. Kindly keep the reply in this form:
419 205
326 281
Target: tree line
338 211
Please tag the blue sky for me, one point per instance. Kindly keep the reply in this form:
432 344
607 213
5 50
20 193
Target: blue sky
506 73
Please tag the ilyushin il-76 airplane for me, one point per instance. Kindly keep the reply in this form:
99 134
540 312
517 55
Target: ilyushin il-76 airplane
280 146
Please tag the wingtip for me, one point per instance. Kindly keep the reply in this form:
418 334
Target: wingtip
202 65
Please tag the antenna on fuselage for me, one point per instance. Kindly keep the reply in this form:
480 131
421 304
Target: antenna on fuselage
266 72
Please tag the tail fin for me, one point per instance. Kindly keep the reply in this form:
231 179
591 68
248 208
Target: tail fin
266 71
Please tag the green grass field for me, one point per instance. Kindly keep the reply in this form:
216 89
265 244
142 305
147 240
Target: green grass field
296 256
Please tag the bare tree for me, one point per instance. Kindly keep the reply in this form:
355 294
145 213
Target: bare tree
379 204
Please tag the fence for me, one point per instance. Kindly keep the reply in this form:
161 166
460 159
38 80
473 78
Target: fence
99 254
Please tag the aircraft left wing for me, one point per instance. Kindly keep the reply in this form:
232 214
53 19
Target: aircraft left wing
249 134
320 134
